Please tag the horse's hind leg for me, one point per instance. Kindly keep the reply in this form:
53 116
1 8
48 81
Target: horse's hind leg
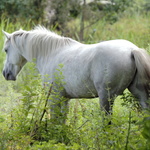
106 102
140 92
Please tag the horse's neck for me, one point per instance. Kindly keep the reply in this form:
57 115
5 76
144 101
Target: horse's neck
41 53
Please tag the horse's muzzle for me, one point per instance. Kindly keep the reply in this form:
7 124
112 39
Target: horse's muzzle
8 75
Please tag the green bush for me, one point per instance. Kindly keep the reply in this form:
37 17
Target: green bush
28 124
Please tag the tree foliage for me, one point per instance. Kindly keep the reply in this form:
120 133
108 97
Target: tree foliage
22 9
58 13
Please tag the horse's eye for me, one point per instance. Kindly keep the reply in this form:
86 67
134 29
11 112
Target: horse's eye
6 50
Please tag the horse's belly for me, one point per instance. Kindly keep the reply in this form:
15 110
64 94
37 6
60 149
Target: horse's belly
83 90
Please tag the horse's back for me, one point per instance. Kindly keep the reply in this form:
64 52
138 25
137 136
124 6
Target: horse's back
120 43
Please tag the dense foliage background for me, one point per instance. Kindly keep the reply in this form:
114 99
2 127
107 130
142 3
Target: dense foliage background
22 103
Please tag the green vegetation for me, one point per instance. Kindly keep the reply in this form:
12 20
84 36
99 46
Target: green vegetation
22 9
22 103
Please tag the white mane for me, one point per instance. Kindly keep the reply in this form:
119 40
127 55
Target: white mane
41 40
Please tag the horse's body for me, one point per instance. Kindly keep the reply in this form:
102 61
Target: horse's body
101 70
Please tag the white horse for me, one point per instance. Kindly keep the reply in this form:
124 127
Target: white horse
101 70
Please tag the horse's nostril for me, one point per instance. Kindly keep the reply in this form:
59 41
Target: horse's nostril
7 76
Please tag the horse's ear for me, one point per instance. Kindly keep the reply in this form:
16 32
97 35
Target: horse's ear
20 29
6 34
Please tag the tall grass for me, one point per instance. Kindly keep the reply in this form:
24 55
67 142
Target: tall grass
133 28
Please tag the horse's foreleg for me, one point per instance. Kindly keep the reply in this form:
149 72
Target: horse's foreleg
59 109
64 109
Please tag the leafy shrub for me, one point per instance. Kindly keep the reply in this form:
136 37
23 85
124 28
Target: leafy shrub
129 100
146 129
28 125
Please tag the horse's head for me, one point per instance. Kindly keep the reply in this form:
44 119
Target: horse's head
14 60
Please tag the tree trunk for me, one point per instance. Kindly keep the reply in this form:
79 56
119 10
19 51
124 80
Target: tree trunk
82 21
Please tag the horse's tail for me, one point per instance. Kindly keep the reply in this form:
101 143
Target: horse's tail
142 62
